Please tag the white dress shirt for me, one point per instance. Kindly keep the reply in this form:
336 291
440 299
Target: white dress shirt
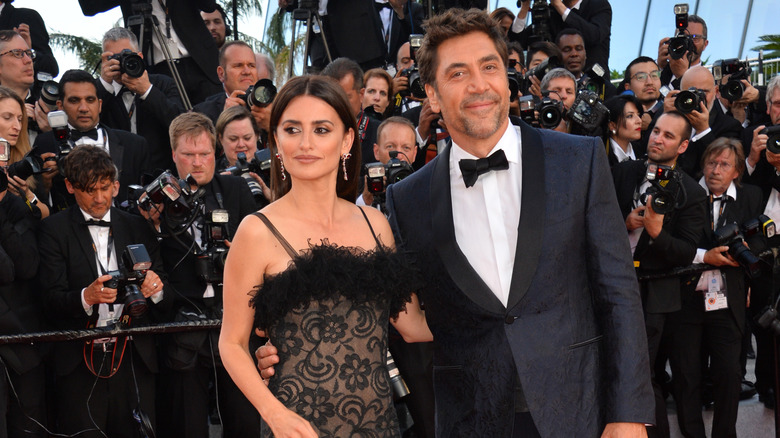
494 203
102 138
621 155
731 192
103 260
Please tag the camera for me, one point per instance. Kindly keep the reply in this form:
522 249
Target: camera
127 280
733 88
260 164
180 199
540 21
400 390
773 142
681 42
539 71
50 94
528 110
594 80
58 121
26 167
588 111
416 87
130 63
550 112
210 261
768 320
395 170
262 93
690 100
731 235
664 198
5 149
515 80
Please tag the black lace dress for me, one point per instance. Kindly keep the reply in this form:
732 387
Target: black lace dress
327 315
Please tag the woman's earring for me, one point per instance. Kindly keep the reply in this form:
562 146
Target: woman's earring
281 165
614 132
344 159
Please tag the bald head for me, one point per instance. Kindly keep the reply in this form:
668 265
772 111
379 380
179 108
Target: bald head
701 78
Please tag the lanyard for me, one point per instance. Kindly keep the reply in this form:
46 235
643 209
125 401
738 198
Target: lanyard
167 19
723 199
109 250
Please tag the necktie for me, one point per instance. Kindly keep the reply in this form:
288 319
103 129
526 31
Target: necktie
472 169
97 223
76 135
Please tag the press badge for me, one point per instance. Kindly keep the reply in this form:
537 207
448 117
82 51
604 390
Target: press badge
715 297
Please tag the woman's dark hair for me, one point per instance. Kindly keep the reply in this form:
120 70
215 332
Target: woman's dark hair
330 92
617 104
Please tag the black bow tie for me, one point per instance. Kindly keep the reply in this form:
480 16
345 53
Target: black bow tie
97 223
380 6
472 169
76 135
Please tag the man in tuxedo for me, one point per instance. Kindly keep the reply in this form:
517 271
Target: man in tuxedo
192 48
712 319
144 105
661 242
189 362
100 384
531 295
129 152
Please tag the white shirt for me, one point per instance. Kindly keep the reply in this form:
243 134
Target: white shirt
618 152
102 138
520 23
494 202
731 192
386 15
175 46
102 260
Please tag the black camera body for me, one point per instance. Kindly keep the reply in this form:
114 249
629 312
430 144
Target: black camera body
733 88
50 94
528 109
550 112
588 111
26 167
210 262
261 94
260 164
773 142
681 42
180 199
379 176
416 87
664 198
690 100
539 71
515 80
731 235
128 279
540 21
130 63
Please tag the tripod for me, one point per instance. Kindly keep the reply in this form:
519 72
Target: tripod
145 20
307 13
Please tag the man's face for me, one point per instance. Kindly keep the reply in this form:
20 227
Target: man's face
396 137
573 49
15 72
647 90
564 89
666 141
195 156
355 97
701 78
720 171
403 59
376 94
472 90
216 26
514 56
773 109
240 70
80 102
537 59
698 30
95 200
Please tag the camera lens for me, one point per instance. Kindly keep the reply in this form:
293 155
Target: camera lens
50 93
133 65
26 167
732 90
686 102
550 113
773 143
262 93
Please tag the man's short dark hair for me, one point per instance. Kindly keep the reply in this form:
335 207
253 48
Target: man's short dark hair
7 35
227 44
454 22
686 134
639 60
514 46
568 31
78 77
223 14
87 165
696 19
545 47
341 67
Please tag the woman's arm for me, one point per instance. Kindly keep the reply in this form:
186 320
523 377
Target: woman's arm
246 262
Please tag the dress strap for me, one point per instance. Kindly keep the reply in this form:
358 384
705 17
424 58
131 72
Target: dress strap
378 244
278 235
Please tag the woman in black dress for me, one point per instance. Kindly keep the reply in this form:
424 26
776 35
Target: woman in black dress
323 278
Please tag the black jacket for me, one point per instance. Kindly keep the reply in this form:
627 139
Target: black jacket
213 106
12 17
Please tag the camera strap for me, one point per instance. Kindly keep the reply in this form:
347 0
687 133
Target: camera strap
362 124
109 251
723 200
165 10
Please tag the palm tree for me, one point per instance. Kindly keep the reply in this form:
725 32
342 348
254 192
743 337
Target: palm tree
88 51
771 46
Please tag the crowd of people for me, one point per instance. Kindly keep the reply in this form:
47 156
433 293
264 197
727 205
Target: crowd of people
461 194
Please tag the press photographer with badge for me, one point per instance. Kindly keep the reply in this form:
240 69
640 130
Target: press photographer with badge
100 266
196 214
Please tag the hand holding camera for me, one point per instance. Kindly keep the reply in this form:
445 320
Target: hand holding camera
719 256
97 293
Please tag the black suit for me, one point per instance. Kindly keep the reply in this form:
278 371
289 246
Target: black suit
213 106
184 402
129 152
67 266
12 17
721 125
717 333
153 116
593 19
675 246
201 80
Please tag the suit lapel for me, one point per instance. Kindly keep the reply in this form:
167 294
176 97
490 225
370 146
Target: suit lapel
115 148
456 263
531 226
81 231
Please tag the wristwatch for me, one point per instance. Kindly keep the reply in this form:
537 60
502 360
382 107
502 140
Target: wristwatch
34 200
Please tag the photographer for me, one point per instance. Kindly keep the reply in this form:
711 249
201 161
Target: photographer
135 100
190 360
595 78
673 69
737 97
560 85
100 383
762 163
237 132
660 242
712 319
593 18
394 134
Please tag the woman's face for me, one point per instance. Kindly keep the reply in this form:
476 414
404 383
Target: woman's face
10 120
239 137
311 139
376 94
631 128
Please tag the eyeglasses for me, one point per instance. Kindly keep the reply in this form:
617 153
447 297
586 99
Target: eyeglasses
642 76
19 53
698 38
723 165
